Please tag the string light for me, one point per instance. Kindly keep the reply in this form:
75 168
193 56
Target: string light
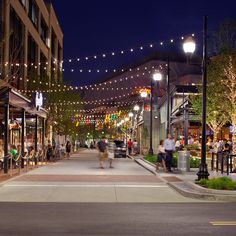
104 101
100 86
106 54
131 50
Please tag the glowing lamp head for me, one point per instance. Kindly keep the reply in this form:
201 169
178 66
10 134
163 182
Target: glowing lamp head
136 108
131 114
157 76
189 45
126 119
143 94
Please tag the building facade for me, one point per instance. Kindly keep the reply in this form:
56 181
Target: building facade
31 44
31 41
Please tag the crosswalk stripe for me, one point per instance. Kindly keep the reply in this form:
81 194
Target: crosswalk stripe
88 185
223 223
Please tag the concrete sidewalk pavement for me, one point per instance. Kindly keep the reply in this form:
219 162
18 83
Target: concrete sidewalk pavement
184 183
80 180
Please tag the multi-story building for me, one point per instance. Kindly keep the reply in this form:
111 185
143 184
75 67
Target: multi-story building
31 43
31 39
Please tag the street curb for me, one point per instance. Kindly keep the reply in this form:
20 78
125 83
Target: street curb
145 167
141 164
189 191
192 190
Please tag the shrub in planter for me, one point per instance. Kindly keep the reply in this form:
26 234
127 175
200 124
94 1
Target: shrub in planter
175 159
194 162
151 158
222 183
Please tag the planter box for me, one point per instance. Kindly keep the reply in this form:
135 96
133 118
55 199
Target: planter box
184 161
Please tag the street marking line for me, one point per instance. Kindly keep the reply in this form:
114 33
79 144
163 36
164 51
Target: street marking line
223 223
88 185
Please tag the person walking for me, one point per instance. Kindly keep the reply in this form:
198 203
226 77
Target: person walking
49 152
130 145
135 147
169 146
68 149
102 148
111 153
161 156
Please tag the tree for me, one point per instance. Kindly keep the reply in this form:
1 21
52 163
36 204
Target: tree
221 87
11 72
217 114
225 48
61 104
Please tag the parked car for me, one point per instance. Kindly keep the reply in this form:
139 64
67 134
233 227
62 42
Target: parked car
120 149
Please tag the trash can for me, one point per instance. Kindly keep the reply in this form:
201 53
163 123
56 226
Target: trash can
184 161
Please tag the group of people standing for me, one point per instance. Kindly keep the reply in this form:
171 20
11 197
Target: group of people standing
165 153
59 151
132 146
106 151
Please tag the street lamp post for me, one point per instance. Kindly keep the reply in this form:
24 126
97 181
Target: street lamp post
150 152
126 130
156 77
189 47
168 96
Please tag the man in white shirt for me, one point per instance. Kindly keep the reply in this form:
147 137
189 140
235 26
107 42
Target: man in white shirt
169 146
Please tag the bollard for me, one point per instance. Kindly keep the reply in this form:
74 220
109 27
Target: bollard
212 161
227 166
222 163
217 161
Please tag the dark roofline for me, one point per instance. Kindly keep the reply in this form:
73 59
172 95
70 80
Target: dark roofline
161 56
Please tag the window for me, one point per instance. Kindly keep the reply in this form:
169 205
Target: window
32 50
33 12
16 49
23 2
1 36
43 30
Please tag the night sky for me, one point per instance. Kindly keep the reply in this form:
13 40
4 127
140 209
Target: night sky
92 27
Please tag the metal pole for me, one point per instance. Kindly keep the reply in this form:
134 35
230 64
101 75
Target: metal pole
150 152
168 96
203 172
43 141
22 137
43 133
36 134
185 114
6 137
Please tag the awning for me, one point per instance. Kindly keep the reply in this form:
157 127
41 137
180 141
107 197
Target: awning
17 100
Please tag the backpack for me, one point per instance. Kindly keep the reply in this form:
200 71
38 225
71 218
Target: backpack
101 146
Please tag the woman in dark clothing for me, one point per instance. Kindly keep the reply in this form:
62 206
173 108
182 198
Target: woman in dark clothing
68 149
49 152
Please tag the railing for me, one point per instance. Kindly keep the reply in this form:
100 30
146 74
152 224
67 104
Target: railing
9 164
223 162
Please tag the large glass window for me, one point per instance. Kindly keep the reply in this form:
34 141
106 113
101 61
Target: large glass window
43 30
33 12
16 50
1 36
23 2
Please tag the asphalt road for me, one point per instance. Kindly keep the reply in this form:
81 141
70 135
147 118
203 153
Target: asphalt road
67 219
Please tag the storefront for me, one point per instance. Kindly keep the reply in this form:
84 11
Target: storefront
22 123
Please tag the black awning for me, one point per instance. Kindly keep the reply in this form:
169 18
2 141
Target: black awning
17 100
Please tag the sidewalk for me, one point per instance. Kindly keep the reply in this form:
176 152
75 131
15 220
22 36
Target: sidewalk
184 182
80 179
16 172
